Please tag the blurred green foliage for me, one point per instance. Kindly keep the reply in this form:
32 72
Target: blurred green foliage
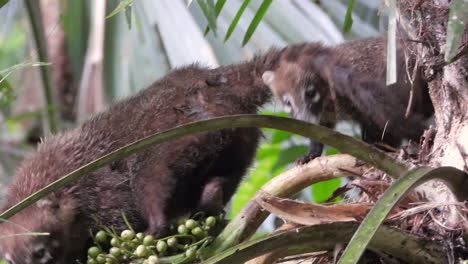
273 156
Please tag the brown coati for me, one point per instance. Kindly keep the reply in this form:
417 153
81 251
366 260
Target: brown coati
197 172
324 85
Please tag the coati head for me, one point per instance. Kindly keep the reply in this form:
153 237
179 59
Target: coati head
301 92
40 234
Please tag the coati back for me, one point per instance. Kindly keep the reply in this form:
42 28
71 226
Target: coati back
197 172
324 85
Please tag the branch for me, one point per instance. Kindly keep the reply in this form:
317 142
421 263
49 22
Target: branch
91 92
33 9
284 185
326 236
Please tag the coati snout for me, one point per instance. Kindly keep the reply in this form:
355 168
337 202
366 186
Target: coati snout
300 96
347 82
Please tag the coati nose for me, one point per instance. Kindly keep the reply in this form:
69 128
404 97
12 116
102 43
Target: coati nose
41 255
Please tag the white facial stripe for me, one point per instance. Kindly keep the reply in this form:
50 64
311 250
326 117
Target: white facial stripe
288 103
316 98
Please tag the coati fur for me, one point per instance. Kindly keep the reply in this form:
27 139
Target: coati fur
324 85
152 187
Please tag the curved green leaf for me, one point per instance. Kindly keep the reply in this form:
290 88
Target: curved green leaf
3 2
218 7
209 10
457 21
256 20
455 178
236 19
348 22
6 92
325 135
123 5
325 237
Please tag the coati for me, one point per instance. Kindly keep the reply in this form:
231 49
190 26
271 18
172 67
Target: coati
197 172
324 85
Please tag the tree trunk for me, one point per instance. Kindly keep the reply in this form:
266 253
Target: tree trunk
446 143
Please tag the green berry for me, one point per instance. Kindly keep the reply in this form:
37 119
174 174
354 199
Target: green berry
148 240
91 261
172 242
210 221
115 242
182 229
191 224
111 260
101 258
152 260
140 236
161 246
141 251
101 236
127 235
190 253
115 251
93 252
197 231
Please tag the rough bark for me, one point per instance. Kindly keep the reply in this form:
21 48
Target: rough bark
425 23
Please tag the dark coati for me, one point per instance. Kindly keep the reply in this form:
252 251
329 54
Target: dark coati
323 85
197 172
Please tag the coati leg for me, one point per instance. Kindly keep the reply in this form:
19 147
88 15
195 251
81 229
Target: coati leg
315 148
211 200
226 175
154 206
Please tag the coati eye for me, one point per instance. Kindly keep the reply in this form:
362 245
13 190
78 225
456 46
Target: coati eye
39 252
311 94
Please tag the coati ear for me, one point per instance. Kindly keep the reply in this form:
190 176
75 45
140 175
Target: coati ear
268 77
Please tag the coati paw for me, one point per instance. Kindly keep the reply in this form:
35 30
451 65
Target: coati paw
305 159
158 231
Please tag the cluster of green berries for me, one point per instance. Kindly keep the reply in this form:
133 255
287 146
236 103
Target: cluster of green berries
137 248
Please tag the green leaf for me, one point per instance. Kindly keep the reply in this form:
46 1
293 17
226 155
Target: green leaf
280 136
452 176
257 178
13 68
266 158
458 19
209 10
121 7
256 20
128 16
218 7
6 92
391 43
236 19
3 2
321 191
331 151
267 150
348 144
3 262
348 22
287 156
